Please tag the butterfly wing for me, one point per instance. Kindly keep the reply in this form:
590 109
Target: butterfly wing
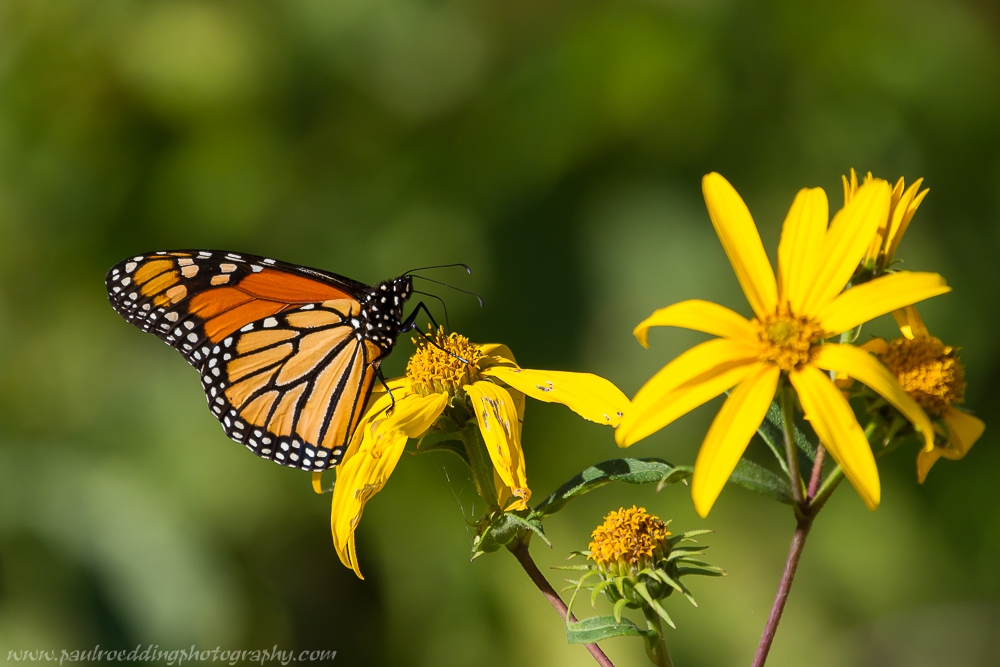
194 299
292 387
283 362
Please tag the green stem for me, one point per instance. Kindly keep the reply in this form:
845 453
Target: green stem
657 651
791 452
479 463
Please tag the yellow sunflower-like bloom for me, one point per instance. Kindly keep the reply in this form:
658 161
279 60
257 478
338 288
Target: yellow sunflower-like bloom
902 206
930 372
795 313
454 380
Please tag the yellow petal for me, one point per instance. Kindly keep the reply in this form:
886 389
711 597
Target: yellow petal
496 412
498 354
926 461
414 414
865 368
845 242
963 429
909 322
741 241
869 300
902 215
590 396
693 378
730 434
317 481
358 480
833 420
876 346
801 240
705 316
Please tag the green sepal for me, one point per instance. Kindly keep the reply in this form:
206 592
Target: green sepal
654 604
597 628
617 611
630 471
504 528
436 441
757 478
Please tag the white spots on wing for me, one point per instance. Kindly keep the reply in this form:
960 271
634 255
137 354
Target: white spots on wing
293 456
220 280
212 362
130 267
193 337
189 325
280 456
172 316
233 255
248 327
270 322
227 356
269 261
308 306
227 268
256 268
204 254
185 261
189 271
126 281
228 342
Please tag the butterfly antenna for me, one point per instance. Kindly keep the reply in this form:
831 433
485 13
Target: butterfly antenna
467 268
457 289
444 306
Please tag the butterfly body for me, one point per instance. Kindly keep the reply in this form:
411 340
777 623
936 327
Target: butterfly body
288 355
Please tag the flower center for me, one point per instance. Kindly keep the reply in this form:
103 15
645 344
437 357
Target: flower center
928 370
786 339
445 366
628 536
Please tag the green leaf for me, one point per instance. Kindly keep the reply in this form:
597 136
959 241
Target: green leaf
630 471
597 628
759 479
504 528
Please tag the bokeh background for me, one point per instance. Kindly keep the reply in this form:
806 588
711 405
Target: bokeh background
555 146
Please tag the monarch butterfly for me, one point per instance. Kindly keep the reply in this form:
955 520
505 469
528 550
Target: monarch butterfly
288 355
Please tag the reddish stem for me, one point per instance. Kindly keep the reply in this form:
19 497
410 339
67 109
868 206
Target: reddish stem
520 551
794 553
817 473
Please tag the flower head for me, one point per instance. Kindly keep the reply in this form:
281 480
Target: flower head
902 206
629 538
932 373
455 386
795 315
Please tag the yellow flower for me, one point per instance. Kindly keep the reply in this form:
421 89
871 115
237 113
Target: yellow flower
449 383
794 315
902 206
932 374
628 537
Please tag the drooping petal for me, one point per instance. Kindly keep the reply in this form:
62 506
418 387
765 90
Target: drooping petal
833 420
845 243
358 480
868 370
801 240
741 241
909 322
497 414
705 316
926 461
730 434
963 431
693 378
880 296
590 396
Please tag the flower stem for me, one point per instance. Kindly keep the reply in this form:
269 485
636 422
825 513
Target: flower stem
657 651
794 553
817 473
791 451
482 469
520 551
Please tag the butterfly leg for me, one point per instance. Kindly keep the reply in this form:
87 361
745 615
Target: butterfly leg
410 325
381 378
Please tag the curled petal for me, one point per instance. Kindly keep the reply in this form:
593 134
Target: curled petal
801 240
358 479
846 241
590 396
833 420
909 322
741 241
885 294
497 414
865 368
698 315
496 354
693 378
730 434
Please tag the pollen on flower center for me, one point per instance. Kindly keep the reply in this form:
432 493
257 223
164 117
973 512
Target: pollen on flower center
787 340
628 536
444 366
928 370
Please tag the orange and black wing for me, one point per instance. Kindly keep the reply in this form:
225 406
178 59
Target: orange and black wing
292 387
283 363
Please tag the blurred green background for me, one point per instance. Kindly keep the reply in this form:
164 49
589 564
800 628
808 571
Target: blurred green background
555 146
